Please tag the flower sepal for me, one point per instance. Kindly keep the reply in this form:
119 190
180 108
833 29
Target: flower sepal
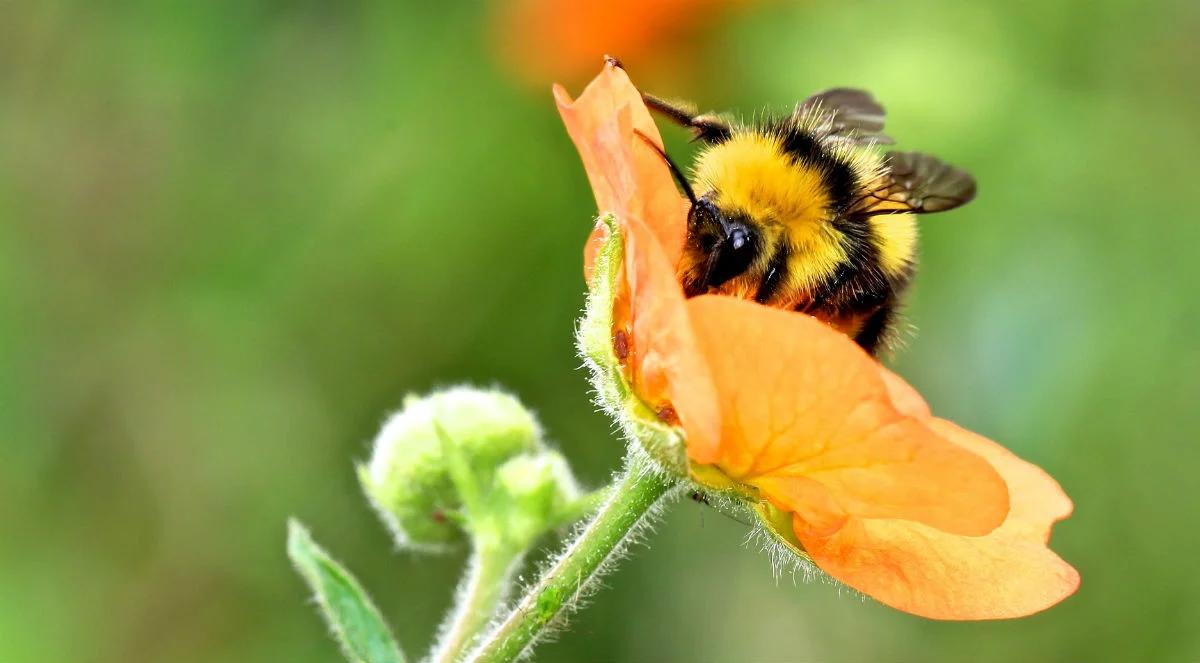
773 523
777 524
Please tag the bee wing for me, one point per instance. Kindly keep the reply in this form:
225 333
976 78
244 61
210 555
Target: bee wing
848 113
918 183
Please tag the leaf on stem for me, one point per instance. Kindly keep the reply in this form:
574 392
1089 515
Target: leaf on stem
354 619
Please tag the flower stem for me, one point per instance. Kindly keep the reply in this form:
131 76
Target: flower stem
483 587
631 499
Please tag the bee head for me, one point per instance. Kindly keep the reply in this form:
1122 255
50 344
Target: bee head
726 245
721 245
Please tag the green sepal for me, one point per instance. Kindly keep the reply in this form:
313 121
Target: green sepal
462 477
353 618
778 524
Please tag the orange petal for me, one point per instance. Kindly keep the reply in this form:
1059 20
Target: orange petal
628 178
918 569
666 367
807 417
595 242
904 397
1037 500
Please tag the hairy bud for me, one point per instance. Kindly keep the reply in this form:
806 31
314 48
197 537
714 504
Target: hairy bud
409 477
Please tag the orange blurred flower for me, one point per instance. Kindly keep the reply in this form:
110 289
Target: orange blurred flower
562 39
841 458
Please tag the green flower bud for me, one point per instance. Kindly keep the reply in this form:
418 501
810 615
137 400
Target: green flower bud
532 494
409 479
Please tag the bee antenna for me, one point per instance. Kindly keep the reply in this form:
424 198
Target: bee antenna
675 172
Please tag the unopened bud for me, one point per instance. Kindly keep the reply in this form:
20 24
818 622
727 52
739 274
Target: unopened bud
408 478
534 493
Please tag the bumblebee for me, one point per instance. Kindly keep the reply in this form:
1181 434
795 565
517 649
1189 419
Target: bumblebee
804 212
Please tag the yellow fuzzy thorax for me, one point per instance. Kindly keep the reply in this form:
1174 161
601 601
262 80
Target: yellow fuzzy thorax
751 174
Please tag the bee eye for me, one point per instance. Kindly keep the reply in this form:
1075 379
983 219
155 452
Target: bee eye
733 256
738 239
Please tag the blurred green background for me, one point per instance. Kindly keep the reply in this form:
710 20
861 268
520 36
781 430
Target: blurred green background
233 234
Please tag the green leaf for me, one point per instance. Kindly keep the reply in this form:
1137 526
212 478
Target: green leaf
356 622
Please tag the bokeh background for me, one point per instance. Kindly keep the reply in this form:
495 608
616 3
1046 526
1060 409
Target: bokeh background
234 233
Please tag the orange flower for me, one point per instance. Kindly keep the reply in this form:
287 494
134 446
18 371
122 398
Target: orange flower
547 39
794 417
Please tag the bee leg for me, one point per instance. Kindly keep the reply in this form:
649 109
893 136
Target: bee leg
876 329
707 128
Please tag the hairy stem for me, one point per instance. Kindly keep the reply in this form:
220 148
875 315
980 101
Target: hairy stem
631 499
483 587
